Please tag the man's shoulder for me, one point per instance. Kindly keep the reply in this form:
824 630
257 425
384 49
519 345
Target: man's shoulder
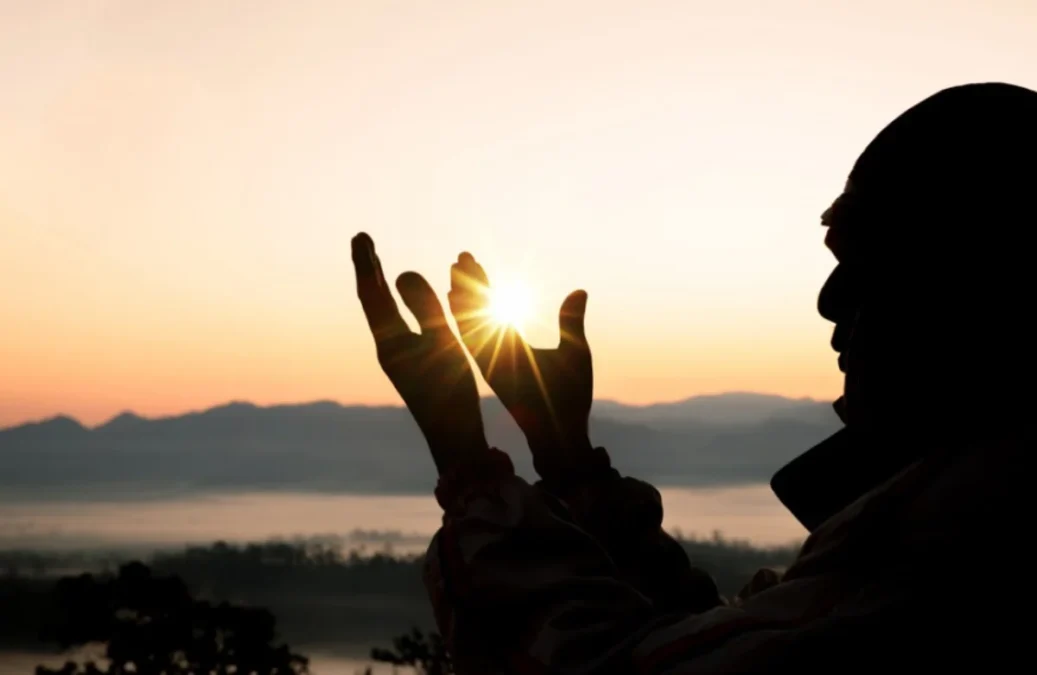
929 509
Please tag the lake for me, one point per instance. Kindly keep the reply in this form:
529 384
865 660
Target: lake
24 663
748 512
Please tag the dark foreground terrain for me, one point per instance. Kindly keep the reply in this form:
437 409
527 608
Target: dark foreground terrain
323 599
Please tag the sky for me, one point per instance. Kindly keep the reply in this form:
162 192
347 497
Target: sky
180 180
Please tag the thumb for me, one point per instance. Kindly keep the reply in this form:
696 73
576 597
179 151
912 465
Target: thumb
570 319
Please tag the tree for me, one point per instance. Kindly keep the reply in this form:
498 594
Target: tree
425 653
151 625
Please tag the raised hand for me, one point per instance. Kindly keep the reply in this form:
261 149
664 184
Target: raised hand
547 391
429 369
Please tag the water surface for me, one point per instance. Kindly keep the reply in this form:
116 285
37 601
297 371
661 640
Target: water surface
749 512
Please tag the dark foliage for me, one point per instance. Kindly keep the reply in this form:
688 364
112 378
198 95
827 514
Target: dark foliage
322 597
425 653
151 624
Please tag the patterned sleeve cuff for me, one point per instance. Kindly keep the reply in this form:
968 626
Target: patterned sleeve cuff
617 508
458 484
566 472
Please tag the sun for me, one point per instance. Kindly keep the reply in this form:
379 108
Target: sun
511 304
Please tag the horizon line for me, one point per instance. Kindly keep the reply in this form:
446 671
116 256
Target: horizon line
382 406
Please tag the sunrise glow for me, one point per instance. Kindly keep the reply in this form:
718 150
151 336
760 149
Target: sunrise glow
511 304
176 214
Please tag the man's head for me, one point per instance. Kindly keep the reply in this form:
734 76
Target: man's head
932 287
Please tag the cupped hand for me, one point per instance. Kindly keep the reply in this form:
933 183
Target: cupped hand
547 391
429 369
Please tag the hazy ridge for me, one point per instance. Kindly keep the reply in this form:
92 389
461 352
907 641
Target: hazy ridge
324 446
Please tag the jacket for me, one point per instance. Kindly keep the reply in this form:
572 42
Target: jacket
905 574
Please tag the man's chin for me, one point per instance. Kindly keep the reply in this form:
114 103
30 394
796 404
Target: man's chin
839 405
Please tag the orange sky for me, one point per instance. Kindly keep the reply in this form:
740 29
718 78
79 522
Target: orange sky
179 181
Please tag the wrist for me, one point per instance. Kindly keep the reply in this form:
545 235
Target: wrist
482 475
450 450
570 443
573 468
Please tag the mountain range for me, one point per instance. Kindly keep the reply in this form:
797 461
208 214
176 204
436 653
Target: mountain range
724 439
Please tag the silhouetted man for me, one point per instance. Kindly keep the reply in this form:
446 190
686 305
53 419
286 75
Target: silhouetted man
917 509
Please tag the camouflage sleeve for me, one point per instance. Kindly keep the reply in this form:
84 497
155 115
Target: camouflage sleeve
518 587
625 515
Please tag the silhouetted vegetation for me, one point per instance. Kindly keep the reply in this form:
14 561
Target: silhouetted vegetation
425 653
150 624
322 596
25 605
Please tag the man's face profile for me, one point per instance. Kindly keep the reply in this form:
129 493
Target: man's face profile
839 300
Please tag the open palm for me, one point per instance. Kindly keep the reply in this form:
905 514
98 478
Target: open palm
547 391
429 369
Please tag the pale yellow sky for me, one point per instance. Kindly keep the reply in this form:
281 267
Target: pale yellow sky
179 181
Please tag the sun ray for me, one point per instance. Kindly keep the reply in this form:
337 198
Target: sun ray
510 304
540 380
496 353
475 330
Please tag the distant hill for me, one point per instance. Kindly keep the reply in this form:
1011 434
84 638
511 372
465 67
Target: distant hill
736 408
324 446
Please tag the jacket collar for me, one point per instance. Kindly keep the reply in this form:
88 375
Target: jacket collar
836 472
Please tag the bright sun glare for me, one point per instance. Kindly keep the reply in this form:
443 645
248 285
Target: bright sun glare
511 304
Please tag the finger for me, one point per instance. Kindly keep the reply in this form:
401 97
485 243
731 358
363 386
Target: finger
763 579
419 297
468 291
383 316
473 269
468 303
469 283
570 319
